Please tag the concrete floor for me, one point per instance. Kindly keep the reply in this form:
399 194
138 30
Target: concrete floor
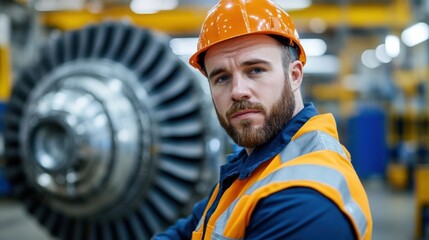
15 224
392 211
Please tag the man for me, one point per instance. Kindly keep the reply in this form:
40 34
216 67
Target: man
293 180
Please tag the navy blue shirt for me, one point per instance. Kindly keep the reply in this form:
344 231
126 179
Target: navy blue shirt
293 213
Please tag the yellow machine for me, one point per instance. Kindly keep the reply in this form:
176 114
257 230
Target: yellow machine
5 67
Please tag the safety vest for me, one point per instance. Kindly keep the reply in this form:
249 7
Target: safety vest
314 158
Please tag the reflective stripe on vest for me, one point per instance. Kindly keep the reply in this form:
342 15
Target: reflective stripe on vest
311 142
200 223
307 143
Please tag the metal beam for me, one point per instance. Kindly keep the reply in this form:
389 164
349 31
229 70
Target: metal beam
176 22
187 21
371 15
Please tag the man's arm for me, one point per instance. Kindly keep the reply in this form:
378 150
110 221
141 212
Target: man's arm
298 213
184 227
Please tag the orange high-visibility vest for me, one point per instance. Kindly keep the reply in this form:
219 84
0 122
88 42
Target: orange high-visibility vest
315 159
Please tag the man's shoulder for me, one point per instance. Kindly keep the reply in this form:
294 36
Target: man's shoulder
298 197
300 212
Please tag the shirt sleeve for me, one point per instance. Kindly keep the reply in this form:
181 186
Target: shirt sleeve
184 227
298 213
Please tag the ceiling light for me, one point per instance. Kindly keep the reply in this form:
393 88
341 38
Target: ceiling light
293 4
4 30
369 59
326 64
393 46
184 46
415 34
152 6
381 54
59 5
314 47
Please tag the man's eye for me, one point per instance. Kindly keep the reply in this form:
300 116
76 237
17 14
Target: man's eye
256 70
221 79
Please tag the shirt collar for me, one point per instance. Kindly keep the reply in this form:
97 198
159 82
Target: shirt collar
244 164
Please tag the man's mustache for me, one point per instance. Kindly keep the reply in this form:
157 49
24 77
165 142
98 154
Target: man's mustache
244 105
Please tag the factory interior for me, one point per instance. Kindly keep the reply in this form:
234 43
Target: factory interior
107 132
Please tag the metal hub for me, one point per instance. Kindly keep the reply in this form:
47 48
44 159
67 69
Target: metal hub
82 118
51 146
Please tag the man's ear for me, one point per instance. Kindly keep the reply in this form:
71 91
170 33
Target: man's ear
296 75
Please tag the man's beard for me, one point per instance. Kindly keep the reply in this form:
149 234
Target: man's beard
248 137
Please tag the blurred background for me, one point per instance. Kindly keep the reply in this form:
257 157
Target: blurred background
107 133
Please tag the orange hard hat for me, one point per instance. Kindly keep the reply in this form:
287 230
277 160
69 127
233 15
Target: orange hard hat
234 18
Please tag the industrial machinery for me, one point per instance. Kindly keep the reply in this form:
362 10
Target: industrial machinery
108 134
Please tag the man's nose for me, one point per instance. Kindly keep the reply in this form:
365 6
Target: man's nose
240 89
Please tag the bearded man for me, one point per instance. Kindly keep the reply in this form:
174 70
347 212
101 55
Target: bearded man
293 179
